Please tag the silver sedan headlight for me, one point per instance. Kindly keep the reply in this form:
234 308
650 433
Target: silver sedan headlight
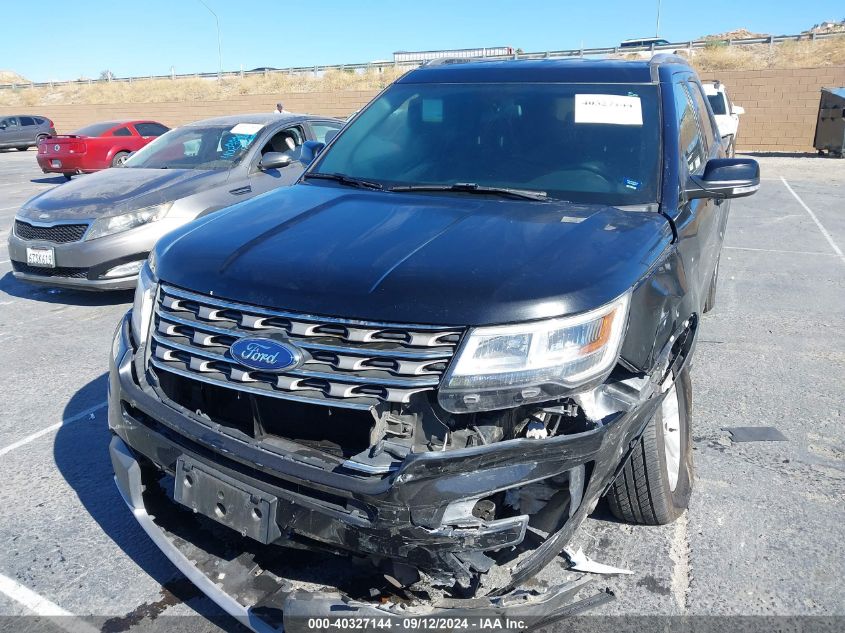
125 221
142 308
504 366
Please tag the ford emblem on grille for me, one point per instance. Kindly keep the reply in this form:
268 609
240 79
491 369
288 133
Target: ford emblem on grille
265 354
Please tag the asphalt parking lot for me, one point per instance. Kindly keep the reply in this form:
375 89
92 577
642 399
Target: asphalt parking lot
763 536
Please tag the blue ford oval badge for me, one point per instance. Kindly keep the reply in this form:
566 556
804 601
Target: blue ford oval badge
265 354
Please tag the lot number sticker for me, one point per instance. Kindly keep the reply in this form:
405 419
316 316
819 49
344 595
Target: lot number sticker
608 109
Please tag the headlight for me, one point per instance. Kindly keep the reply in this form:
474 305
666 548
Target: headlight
125 221
142 308
499 367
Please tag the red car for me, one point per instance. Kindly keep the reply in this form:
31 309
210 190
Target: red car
95 147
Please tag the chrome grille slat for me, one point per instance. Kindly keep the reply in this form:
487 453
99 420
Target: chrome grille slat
259 388
201 354
347 362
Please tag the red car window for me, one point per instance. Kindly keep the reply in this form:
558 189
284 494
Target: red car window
122 131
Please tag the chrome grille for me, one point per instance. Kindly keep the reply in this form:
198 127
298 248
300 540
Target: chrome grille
347 363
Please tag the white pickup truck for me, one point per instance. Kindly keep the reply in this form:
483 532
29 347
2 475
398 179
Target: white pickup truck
727 114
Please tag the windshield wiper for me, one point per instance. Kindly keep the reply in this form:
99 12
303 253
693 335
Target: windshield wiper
344 180
471 187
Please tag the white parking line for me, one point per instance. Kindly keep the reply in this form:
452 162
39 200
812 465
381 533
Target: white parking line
50 429
40 606
777 250
9 208
827 236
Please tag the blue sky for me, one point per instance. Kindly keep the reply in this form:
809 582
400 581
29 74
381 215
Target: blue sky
66 40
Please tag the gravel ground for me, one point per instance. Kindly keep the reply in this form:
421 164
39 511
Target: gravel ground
764 534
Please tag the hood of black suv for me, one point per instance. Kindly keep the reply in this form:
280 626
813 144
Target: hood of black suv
452 259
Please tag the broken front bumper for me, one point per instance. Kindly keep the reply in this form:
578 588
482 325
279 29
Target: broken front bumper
247 586
416 516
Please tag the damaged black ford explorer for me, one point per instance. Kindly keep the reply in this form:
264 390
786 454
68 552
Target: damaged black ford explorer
397 388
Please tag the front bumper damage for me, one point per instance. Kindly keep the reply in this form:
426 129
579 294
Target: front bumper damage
414 524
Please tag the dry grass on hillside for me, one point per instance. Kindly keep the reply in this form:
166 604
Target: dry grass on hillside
801 54
162 90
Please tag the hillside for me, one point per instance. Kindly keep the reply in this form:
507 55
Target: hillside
10 77
714 57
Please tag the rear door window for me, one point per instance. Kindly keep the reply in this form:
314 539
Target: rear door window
321 128
690 142
717 102
27 120
708 125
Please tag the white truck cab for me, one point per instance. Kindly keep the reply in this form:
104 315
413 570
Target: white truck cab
727 114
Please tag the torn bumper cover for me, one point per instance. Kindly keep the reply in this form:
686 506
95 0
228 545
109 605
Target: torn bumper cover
420 517
246 585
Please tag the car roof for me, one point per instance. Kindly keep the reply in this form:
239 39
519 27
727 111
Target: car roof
712 87
543 70
644 39
261 118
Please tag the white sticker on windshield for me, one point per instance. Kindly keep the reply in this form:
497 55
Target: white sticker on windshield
608 109
248 129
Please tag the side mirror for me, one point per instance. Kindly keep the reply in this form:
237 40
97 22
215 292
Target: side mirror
725 178
309 151
737 109
274 160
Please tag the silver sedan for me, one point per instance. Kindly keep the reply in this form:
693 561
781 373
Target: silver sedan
93 233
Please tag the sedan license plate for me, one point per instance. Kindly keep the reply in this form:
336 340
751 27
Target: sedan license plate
41 257
55 163
245 509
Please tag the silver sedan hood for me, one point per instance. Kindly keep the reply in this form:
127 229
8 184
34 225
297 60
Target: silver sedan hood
114 191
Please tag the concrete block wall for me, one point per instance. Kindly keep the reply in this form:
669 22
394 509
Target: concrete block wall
70 117
781 106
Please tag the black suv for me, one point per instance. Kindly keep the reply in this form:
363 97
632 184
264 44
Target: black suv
470 320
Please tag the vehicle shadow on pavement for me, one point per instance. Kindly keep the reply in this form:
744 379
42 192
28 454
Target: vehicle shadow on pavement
81 453
22 290
49 180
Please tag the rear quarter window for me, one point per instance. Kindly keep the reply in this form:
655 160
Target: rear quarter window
121 131
151 129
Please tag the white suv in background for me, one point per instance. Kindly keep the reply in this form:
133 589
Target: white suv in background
727 114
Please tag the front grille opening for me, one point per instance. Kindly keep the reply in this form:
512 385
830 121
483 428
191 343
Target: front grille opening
334 430
60 271
338 431
226 407
59 233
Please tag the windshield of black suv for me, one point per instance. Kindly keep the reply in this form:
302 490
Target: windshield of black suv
212 147
592 143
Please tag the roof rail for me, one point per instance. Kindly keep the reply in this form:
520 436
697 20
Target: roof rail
442 61
667 58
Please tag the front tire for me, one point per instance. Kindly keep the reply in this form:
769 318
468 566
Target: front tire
654 486
21 149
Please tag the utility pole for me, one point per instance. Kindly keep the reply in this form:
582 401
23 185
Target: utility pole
219 48
657 28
